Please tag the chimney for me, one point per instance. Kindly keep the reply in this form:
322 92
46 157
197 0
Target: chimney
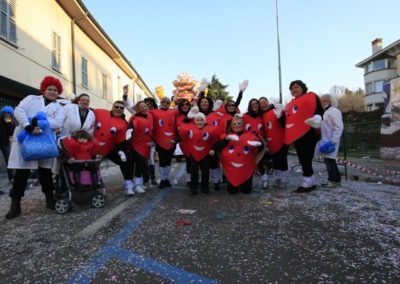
376 45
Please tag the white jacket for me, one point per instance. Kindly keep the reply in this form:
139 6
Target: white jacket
331 129
28 108
72 120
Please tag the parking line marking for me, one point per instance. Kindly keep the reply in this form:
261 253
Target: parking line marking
160 269
106 219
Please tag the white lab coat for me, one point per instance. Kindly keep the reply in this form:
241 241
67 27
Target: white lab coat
72 120
331 129
28 108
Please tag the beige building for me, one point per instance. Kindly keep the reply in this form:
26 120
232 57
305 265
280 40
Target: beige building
382 66
62 39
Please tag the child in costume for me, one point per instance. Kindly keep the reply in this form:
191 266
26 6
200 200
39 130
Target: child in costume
82 146
200 138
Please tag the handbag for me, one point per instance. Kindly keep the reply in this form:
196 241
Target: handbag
39 146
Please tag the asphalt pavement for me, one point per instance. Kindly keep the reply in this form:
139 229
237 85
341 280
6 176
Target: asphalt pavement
346 234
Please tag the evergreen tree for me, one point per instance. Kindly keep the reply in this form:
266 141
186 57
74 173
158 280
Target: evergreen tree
216 90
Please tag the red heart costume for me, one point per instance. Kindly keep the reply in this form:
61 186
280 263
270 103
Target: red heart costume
80 150
109 130
200 141
238 159
253 125
298 110
164 127
142 135
275 133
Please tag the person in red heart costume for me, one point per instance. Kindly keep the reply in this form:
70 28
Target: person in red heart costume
200 137
252 121
81 146
240 153
303 117
181 118
164 135
275 134
140 134
110 130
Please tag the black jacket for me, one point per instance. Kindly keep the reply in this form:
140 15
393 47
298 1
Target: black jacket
6 130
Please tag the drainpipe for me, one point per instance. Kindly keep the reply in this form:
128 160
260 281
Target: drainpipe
73 50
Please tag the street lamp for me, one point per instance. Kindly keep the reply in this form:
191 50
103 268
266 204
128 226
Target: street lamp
279 53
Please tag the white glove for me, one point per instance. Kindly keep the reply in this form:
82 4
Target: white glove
254 143
217 105
243 85
232 137
278 110
203 85
315 121
122 156
193 111
128 134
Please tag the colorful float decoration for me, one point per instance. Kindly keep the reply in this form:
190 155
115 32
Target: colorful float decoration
185 87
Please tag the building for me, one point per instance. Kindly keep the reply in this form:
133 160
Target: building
62 39
382 66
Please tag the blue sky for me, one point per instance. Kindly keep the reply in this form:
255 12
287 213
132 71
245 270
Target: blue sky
321 40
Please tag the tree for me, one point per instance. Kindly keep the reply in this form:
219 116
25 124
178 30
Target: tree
216 90
351 101
337 91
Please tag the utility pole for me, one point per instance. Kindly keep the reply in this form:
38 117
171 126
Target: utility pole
279 53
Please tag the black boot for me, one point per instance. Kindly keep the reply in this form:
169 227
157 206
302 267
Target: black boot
15 208
49 201
193 191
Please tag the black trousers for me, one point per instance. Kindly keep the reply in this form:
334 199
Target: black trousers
245 187
165 156
6 154
126 167
139 164
204 166
279 159
262 165
332 168
21 180
305 147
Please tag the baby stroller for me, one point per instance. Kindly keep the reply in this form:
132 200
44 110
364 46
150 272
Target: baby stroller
79 178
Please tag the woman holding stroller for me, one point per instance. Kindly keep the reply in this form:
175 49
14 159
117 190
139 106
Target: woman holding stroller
51 88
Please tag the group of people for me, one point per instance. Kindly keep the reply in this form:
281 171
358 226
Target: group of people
216 139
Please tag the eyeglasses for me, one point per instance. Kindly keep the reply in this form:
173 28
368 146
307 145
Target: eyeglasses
230 105
165 102
186 104
118 107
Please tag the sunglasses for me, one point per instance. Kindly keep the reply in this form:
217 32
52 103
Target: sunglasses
119 107
230 105
165 102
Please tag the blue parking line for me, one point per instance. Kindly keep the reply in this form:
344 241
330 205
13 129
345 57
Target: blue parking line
161 269
112 249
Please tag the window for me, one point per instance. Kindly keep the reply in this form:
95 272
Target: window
56 52
104 85
379 64
378 86
84 72
369 88
392 63
8 28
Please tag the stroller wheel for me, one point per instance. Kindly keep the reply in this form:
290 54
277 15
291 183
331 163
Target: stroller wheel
98 200
62 206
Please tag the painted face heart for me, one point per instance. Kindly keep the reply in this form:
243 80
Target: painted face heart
164 127
199 141
109 130
275 133
298 110
238 159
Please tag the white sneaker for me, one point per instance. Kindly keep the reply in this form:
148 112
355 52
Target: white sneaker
130 192
264 181
139 189
128 185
